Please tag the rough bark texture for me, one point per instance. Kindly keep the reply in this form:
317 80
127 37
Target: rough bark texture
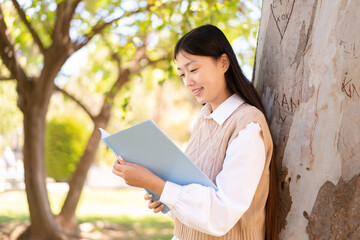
341 205
307 73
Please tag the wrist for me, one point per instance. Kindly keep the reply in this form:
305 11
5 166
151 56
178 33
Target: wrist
156 185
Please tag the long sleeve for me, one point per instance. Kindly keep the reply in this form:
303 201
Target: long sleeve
216 212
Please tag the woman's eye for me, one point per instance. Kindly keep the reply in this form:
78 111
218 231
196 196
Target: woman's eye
193 70
182 75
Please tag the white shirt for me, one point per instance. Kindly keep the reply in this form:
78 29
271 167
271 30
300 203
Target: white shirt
216 212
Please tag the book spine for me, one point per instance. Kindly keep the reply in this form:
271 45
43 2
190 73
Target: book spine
111 148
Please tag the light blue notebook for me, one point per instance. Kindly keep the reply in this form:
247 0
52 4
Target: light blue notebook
147 145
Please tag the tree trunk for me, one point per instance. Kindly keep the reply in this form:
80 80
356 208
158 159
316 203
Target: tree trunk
34 98
66 218
307 73
43 225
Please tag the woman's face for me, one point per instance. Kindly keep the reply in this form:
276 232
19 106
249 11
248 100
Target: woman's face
205 77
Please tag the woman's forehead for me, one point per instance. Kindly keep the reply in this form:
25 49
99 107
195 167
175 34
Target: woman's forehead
184 58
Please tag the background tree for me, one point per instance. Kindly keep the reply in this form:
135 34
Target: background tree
307 72
35 49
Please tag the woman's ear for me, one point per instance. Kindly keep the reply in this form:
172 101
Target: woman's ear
224 62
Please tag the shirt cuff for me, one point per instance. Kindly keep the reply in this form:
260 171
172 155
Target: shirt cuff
170 194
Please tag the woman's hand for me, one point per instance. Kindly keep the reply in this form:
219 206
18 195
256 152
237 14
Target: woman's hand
138 176
157 206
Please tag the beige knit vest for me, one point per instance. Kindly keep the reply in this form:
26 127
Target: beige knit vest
207 148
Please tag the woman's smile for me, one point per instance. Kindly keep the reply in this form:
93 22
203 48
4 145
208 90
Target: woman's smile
205 78
197 91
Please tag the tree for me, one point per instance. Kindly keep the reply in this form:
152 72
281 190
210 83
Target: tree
10 118
35 91
307 72
49 33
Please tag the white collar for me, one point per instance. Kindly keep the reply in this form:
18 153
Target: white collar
223 111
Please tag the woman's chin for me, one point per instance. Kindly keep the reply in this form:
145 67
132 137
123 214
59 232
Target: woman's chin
200 100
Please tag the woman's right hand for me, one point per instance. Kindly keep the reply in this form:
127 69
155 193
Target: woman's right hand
157 206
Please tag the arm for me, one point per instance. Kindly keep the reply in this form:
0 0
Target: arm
215 213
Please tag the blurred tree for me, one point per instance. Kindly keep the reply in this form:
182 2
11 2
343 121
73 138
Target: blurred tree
137 35
65 142
10 117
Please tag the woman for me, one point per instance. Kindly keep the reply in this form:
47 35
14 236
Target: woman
231 143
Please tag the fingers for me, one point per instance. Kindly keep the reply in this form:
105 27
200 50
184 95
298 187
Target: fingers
159 208
116 172
119 165
153 204
148 196
121 160
119 169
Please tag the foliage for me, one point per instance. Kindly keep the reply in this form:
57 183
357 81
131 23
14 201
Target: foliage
11 117
158 30
65 142
156 27
119 38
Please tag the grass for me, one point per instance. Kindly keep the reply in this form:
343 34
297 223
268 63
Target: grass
114 214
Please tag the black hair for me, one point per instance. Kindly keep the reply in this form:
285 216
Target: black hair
208 40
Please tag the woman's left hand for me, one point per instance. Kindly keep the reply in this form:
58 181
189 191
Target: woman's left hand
138 176
156 206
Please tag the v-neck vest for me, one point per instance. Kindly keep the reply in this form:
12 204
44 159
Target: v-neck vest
207 148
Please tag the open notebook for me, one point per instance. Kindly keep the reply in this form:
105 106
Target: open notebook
147 145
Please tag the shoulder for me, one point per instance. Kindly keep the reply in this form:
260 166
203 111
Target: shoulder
249 117
246 114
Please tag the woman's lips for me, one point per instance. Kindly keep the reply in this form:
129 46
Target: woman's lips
197 91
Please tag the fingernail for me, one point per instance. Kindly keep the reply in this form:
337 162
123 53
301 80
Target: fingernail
150 196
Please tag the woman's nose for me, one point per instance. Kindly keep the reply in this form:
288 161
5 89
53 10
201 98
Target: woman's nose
188 81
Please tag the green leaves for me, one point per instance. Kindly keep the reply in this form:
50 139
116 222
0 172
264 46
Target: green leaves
66 138
11 116
146 31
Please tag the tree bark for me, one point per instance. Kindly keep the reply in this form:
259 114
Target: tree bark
307 73
43 225
34 94
33 99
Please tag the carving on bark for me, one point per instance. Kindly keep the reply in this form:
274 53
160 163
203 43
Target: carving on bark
281 11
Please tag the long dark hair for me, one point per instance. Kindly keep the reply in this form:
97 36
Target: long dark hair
208 40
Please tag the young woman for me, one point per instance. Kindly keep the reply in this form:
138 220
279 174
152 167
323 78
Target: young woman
231 143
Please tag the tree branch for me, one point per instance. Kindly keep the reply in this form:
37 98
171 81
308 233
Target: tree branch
135 64
64 13
76 101
29 26
7 52
99 28
73 8
7 78
154 62
69 7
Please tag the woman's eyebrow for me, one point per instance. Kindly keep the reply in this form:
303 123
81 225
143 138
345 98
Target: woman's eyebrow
187 64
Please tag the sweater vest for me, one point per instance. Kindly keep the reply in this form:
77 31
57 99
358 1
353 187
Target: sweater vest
207 147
